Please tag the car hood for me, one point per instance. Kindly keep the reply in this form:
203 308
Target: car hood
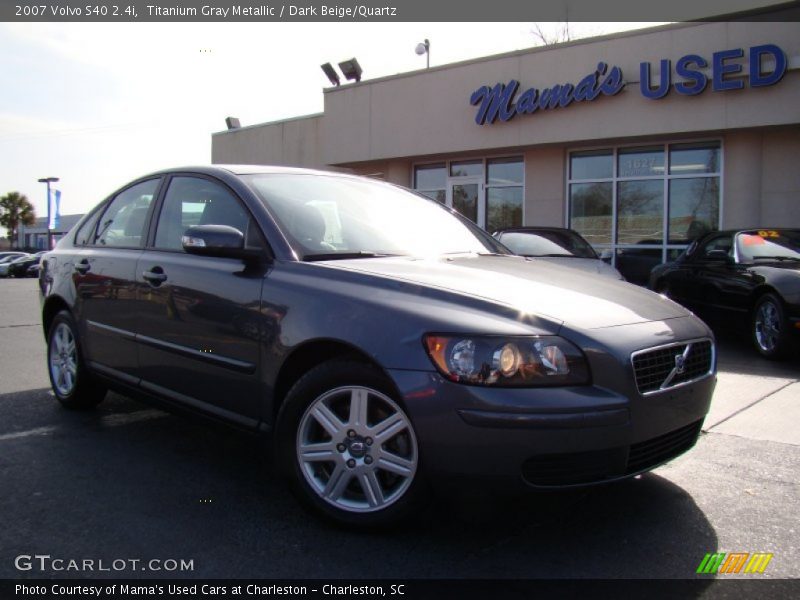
535 287
587 265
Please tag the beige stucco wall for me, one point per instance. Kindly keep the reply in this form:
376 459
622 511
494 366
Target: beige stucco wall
294 142
427 113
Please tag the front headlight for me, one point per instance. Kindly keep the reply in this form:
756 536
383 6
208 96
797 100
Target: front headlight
507 361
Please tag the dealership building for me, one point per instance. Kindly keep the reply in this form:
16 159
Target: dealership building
640 141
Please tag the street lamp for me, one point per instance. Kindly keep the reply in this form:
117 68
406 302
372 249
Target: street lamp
424 48
48 181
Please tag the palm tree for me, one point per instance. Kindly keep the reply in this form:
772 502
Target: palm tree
16 209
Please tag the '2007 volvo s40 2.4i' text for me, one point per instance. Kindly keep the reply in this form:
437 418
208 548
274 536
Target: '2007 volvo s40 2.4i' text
386 342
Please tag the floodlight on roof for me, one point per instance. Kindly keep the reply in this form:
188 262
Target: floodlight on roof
333 77
351 69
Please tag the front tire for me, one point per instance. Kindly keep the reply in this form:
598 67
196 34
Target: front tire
348 447
770 329
72 385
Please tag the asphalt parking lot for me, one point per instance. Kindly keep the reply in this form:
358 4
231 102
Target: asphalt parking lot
128 481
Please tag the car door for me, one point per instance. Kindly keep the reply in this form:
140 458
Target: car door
716 283
200 322
105 279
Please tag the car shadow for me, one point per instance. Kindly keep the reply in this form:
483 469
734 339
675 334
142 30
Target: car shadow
735 354
128 481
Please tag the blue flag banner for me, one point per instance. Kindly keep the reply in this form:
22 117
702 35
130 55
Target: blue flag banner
55 209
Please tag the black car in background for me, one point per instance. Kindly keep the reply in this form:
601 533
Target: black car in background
748 278
19 268
6 258
557 245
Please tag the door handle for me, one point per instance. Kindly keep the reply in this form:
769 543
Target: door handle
155 276
83 266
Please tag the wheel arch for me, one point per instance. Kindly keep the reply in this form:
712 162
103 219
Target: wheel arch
310 354
761 291
52 306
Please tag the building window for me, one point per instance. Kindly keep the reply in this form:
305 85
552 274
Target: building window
643 205
504 192
489 191
431 180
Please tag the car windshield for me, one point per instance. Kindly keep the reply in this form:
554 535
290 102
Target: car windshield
547 243
769 244
329 217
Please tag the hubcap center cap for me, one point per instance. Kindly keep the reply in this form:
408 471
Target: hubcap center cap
357 447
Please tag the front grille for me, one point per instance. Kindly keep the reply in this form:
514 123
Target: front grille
653 452
583 468
658 368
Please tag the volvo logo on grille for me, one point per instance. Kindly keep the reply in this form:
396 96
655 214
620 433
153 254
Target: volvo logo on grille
680 364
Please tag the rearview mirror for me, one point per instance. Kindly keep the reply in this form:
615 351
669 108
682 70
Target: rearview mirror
216 240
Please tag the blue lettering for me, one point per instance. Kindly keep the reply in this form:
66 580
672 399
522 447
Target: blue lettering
496 101
526 105
613 82
566 97
759 79
585 90
720 69
684 69
663 82
481 95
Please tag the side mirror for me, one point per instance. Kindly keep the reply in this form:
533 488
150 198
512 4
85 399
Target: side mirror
221 241
719 256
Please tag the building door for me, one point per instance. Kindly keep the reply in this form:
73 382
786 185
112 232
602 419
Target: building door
465 194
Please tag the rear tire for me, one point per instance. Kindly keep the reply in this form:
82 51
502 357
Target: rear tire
770 328
348 448
72 384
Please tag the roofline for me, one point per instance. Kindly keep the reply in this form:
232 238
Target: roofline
278 122
522 52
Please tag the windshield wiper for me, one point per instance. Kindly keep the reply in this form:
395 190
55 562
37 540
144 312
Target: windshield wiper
776 258
344 255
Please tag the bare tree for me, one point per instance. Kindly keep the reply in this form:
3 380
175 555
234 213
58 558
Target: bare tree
560 35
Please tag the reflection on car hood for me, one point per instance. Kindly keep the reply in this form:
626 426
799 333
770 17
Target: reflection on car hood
535 287
587 265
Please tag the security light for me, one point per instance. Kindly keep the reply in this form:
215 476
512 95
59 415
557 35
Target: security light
232 123
424 48
351 69
331 73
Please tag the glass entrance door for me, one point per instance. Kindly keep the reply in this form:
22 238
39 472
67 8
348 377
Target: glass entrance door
465 194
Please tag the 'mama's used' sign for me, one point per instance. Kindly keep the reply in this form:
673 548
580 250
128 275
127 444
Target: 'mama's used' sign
504 101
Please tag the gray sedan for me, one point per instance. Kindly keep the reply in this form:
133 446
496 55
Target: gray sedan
388 345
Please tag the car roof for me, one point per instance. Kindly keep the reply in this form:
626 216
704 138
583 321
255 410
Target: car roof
246 170
532 229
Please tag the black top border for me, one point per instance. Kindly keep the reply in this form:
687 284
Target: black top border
395 11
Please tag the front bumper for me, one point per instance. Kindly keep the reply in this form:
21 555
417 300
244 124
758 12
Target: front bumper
558 436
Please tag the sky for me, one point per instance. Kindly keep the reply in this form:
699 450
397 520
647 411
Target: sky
99 104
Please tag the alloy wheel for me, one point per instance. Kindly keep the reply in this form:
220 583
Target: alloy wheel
356 449
63 360
767 326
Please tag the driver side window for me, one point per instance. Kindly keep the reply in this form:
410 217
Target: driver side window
197 201
722 242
